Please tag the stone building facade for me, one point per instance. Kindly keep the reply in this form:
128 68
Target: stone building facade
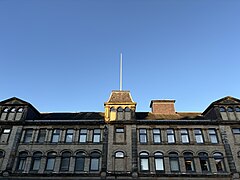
120 143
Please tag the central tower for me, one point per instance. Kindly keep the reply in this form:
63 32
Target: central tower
120 106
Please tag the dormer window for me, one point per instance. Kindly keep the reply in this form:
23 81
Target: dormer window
4 114
11 114
222 109
230 109
237 109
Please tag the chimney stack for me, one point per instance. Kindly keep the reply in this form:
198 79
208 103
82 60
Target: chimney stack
163 106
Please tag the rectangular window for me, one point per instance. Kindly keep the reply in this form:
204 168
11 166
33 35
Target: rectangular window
50 164
119 130
94 164
5 135
69 136
184 136
28 135
56 135
83 136
143 135
170 136
198 136
236 134
41 135
96 135
156 136
213 136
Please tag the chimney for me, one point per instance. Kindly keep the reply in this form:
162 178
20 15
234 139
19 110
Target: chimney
163 106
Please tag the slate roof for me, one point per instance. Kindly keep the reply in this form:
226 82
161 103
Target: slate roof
73 116
120 96
176 116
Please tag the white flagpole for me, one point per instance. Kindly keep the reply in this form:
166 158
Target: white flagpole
120 71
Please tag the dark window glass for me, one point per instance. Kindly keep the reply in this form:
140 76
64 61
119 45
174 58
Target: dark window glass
65 160
144 161
143 135
189 163
156 136
96 135
36 161
170 136
80 161
56 135
51 157
28 135
94 161
219 162
83 136
184 136
198 136
213 136
174 162
2 154
159 163
22 161
41 135
69 136
203 157
19 114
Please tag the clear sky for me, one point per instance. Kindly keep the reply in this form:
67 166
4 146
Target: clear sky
63 55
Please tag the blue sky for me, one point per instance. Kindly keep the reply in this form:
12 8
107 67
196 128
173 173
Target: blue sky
63 55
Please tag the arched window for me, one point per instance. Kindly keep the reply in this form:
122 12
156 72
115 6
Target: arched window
119 154
51 157
174 162
222 109
65 161
159 163
11 114
22 159
230 109
19 114
80 161
127 113
218 157
36 161
119 113
204 162
112 113
4 114
189 163
94 161
237 109
144 161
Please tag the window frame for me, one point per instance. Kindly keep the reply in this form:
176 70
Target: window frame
156 136
28 136
51 156
213 134
80 157
188 157
94 159
37 156
197 135
65 158
83 133
144 158
184 135
174 157
57 134
96 135
69 134
159 156
171 135
143 134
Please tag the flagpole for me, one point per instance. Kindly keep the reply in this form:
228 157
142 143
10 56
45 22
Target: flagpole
120 71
